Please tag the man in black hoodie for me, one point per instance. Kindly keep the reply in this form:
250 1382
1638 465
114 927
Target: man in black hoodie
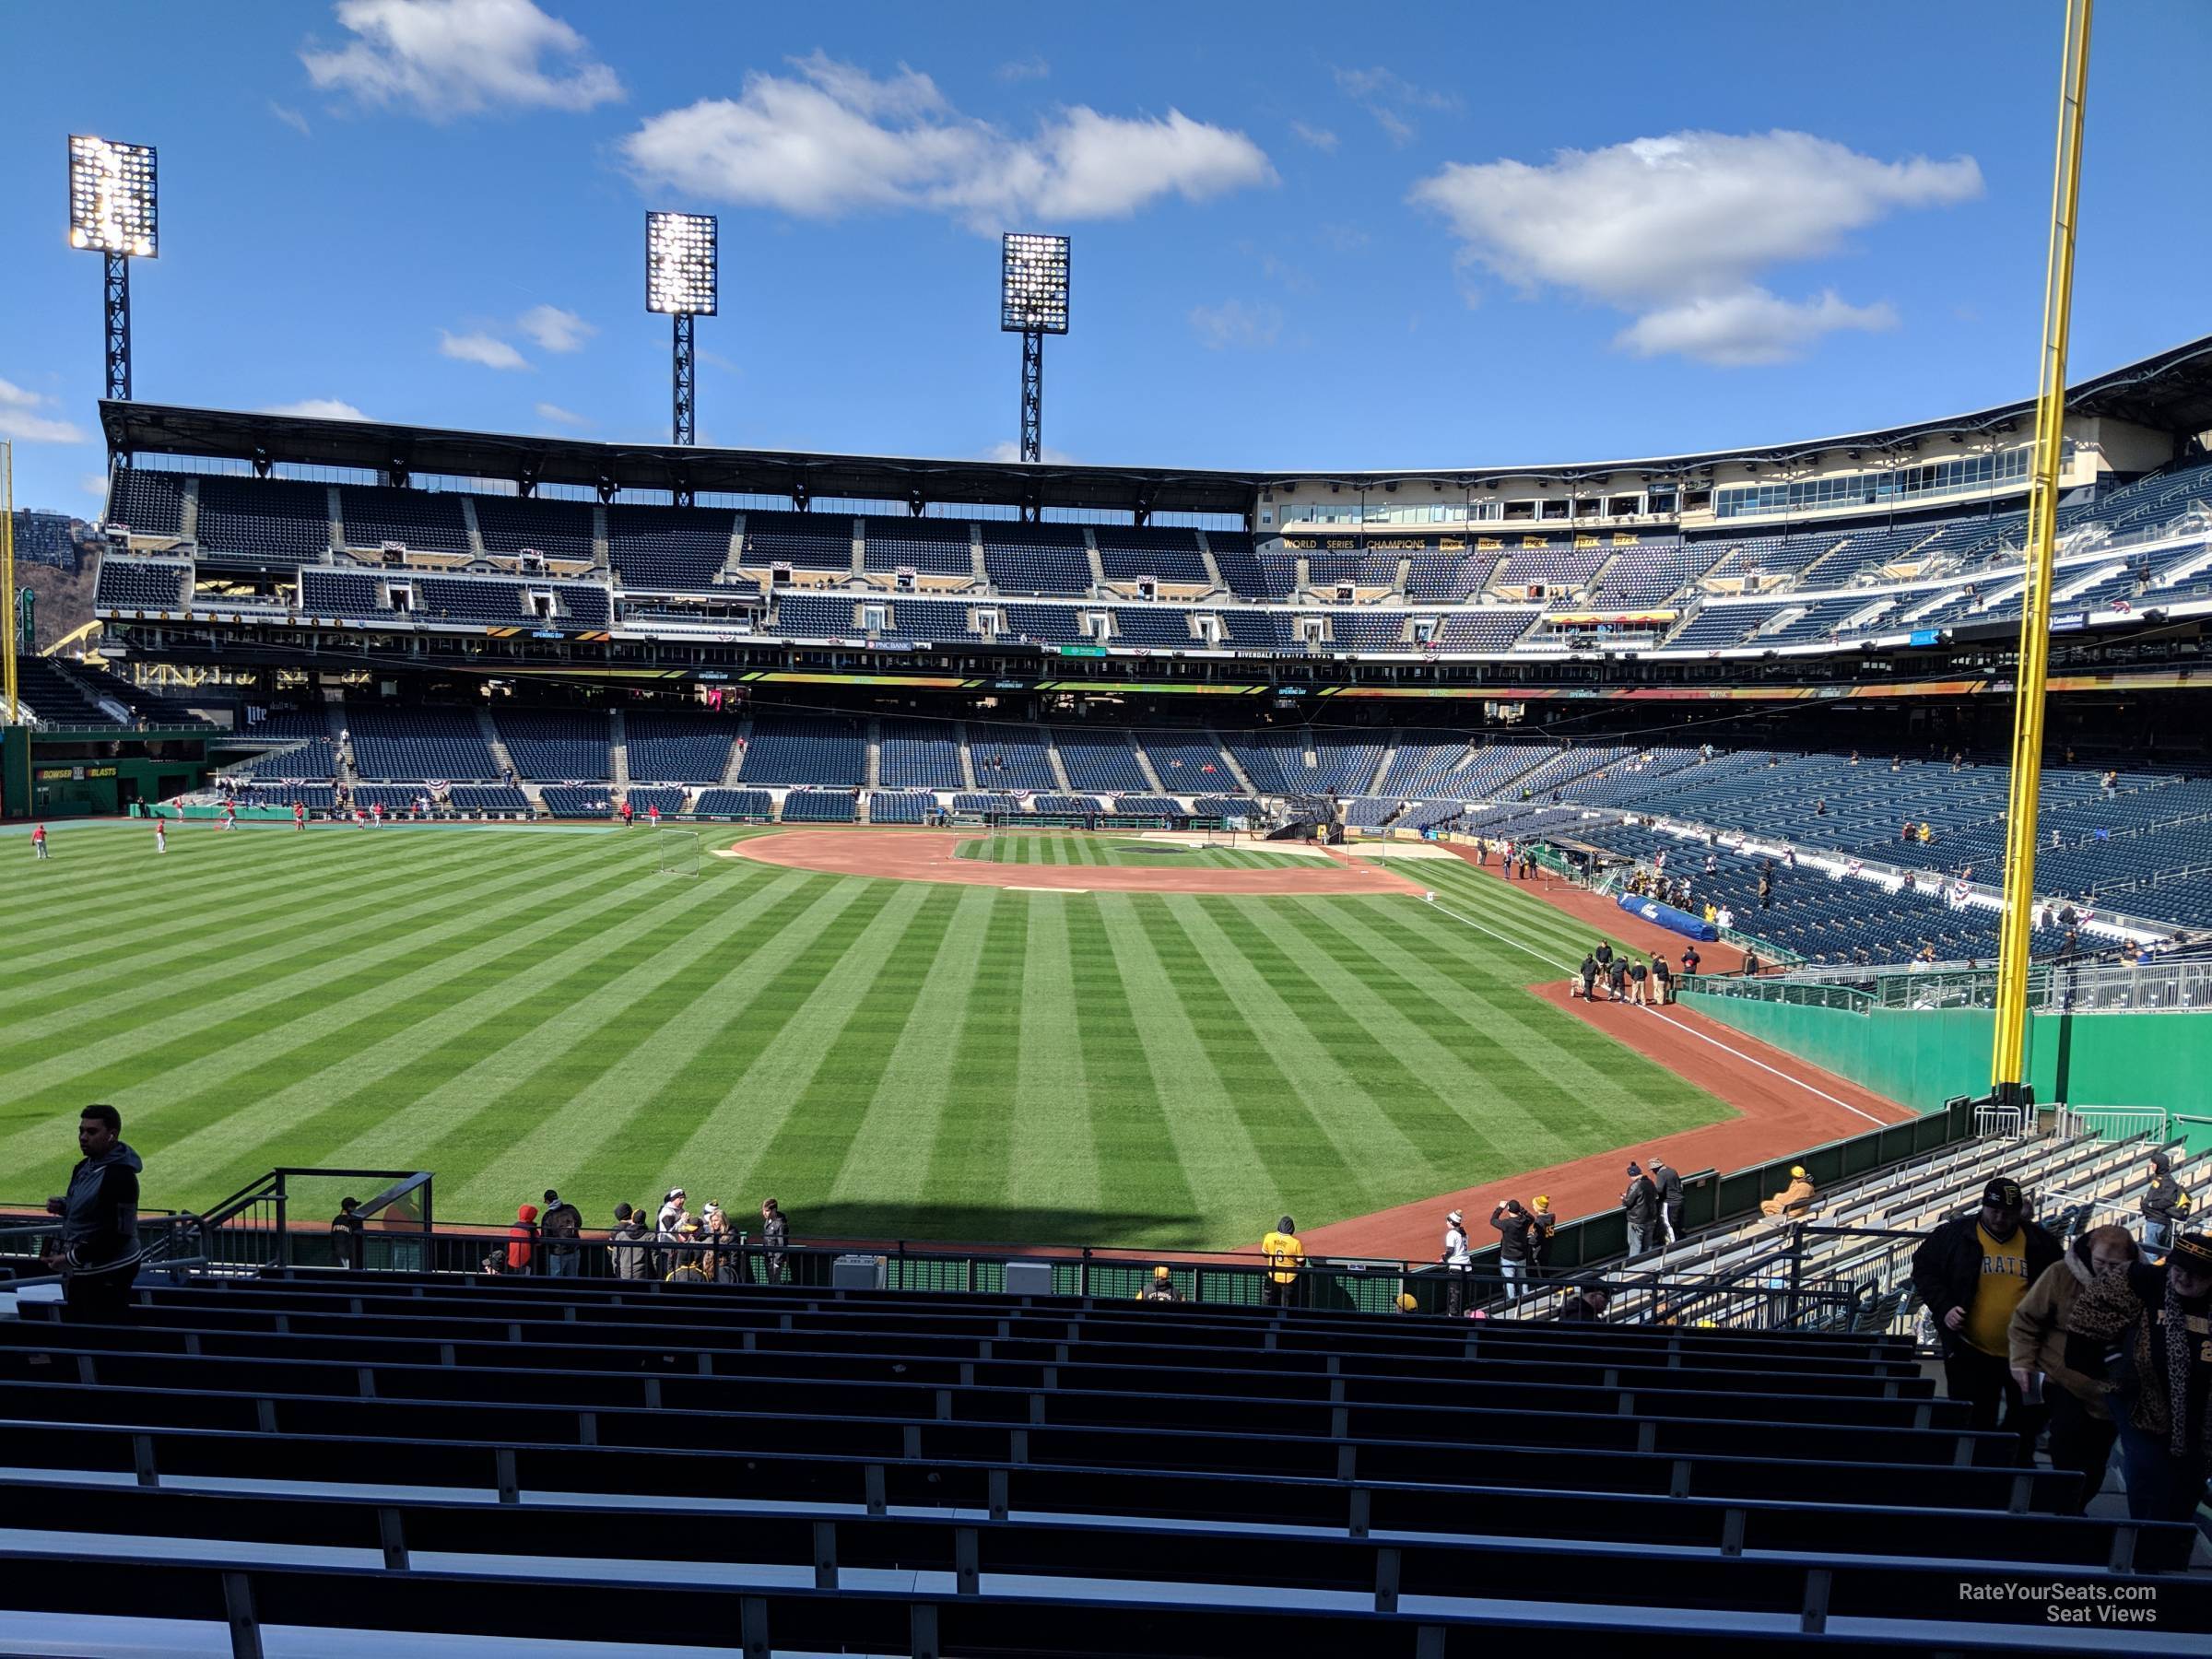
2165 1206
99 1257
1668 1181
1972 1272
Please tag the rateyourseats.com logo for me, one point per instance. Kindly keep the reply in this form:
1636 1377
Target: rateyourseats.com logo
2073 1604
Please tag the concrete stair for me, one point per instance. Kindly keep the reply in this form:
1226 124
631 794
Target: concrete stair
490 735
738 746
619 750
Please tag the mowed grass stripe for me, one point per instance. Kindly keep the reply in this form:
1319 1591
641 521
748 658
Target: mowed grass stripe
790 1038
636 1131
902 1118
417 1003
967 1163
472 1050
587 1065
1415 1057
1133 1148
810 1146
1052 1164
251 961
1296 1147
177 1032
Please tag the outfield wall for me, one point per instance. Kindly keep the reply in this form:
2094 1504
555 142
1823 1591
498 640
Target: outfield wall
1920 1058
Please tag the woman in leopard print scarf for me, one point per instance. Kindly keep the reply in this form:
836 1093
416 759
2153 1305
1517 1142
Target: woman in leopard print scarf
2158 1321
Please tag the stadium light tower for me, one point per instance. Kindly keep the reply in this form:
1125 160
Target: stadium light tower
681 281
114 208
1032 303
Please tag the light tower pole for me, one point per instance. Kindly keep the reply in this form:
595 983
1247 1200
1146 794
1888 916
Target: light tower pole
682 281
1032 303
115 210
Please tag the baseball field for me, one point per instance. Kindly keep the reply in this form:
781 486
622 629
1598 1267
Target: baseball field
518 1009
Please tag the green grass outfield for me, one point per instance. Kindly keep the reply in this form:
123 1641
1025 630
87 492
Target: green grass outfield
1031 847
517 1009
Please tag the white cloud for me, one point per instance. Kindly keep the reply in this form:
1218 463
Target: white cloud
94 484
1006 451
457 57
1676 230
555 329
291 117
1748 326
1033 67
833 140
560 417
1321 138
318 408
20 420
1237 322
480 348
1389 97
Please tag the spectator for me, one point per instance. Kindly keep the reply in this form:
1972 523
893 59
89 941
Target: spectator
1640 1203
1161 1288
627 1245
346 1229
521 1239
672 1207
1586 1306
1516 1240
2164 1206
1456 1262
1972 1273
1587 976
775 1233
1285 1256
1668 1181
98 1253
720 1262
560 1227
687 1262
2162 1384
1792 1201
2082 1430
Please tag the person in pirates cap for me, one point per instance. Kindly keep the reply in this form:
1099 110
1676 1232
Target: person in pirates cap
2160 1321
1161 1287
2165 1206
1972 1271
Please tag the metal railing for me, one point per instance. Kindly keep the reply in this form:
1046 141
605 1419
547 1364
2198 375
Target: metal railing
2178 984
255 1227
2113 1123
167 1242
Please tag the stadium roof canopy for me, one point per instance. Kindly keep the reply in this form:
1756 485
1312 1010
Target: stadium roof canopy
2170 392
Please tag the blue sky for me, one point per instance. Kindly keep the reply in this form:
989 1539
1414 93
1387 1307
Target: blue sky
1453 236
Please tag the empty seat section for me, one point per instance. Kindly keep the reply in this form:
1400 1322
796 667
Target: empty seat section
669 546
1036 558
559 529
920 754
426 743
929 547
1189 764
140 584
734 803
822 807
324 592
563 744
1423 764
317 758
901 806
586 800
277 519
1100 760
643 798
150 503
666 746
801 540
1049 623
1064 806
428 520
1275 761
1009 758
1137 626
1137 805
1238 565
1721 627
1484 630
806 748
1125 554
489 797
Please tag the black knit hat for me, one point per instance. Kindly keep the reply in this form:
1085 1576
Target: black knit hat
2194 1250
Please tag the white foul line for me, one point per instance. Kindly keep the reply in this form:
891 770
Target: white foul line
1700 1036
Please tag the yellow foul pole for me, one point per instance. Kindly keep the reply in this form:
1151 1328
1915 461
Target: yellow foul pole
2009 1062
8 580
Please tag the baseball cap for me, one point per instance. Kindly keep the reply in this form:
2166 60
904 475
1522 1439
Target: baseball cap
1543 1202
1798 1170
1407 1304
1161 1273
2003 1191
1455 1218
2193 1251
